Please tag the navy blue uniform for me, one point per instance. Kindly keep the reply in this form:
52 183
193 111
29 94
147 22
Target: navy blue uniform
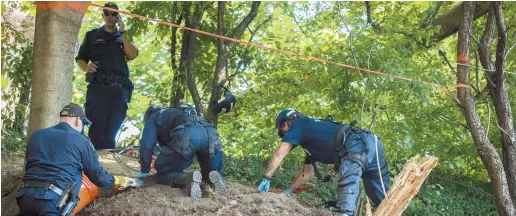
57 155
316 137
176 153
109 89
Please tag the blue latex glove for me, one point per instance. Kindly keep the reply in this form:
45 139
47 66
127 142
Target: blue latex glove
288 192
142 175
264 185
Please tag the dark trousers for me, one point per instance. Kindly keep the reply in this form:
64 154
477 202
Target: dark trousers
37 201
106 108
170 163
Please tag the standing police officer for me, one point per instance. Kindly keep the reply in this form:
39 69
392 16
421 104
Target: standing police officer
182 134
355 152
54 160
103 55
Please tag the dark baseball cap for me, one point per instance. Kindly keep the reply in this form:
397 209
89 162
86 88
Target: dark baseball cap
74 110
111 5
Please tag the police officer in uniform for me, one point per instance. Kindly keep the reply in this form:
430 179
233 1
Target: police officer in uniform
55 158
182 133
103 55
355 152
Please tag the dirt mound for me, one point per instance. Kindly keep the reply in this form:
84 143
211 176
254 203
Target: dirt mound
152 199
164 200
12 173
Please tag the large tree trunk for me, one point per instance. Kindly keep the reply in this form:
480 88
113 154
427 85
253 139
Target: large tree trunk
500 96
55 38
485 148
223 52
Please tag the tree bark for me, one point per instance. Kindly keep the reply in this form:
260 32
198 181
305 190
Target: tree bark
178 84
55 38
485 148
406 186
500 96
192 48
223 52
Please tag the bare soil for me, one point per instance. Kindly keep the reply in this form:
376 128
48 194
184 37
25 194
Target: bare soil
153 199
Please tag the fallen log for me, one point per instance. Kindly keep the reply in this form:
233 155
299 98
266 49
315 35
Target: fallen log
407 185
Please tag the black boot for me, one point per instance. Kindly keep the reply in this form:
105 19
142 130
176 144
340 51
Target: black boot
192 181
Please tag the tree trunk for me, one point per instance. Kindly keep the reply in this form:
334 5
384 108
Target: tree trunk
192 48
485 148
223 52
178 84
500 96
55 38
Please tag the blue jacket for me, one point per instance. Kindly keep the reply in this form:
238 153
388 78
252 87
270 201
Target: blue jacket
59 154
155 131
316 137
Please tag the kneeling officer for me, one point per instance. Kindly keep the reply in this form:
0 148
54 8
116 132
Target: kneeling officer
182 134
54 160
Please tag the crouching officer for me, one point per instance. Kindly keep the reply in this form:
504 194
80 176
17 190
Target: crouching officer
54 162
355 152
103 55
182 133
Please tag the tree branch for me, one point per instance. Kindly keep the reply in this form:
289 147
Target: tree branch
239 30
369 18
192 85
446 60
245 56
484 48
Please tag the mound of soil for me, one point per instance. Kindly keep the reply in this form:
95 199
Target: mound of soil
153 199
12 173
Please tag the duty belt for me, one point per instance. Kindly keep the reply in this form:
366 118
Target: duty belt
45 185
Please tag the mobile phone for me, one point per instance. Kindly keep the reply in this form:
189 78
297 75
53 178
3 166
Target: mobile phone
118 17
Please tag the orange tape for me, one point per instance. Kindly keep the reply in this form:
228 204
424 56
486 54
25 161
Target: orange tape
460 85
459 58
76 6
462 58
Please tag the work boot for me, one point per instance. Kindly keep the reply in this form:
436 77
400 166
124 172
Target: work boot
192 181
218 183
193 184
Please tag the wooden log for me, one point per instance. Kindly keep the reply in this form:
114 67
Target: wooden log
407 185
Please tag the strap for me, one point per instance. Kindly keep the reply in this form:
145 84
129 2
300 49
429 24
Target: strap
46 185
186 140
211 141
373 174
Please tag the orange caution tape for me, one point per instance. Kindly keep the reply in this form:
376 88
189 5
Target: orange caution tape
463 59
276 50
77 6
460 85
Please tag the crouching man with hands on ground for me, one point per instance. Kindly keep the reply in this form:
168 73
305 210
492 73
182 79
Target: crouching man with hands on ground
182 134
355 152
54 162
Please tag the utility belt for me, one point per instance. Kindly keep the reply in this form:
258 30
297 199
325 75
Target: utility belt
112 80
66 203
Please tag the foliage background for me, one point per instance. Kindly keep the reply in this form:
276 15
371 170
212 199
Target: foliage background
410 118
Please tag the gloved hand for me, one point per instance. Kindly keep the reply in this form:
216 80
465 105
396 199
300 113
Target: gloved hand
264 185
142 175
121 182
288 192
